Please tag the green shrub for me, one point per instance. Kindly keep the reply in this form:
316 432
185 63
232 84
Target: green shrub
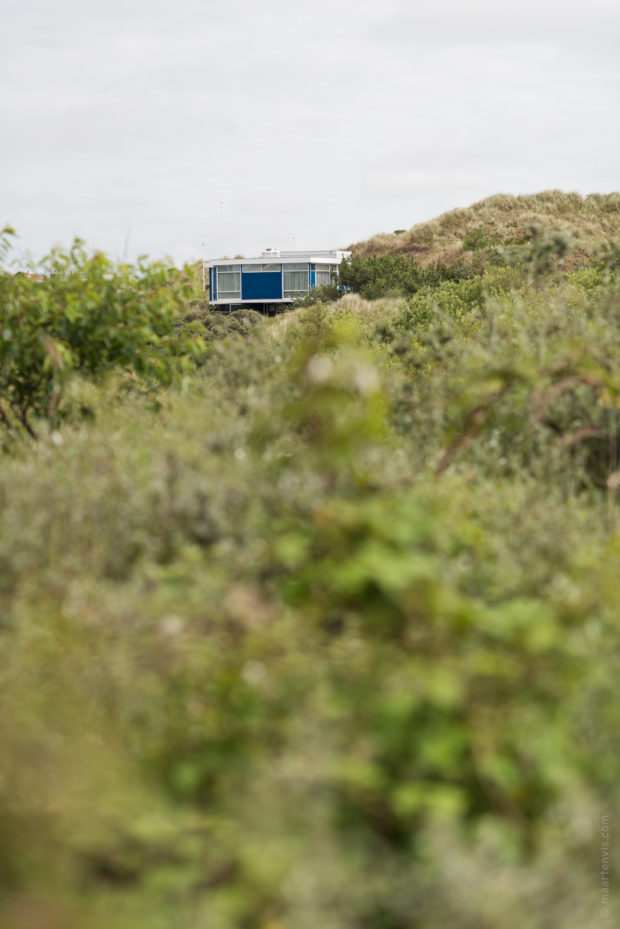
394 274
326 293
480 237
88 317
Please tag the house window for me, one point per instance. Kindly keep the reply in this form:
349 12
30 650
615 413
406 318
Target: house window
323 275
262 269
295 280
229 282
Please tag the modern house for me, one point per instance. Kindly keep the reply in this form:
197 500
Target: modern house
271 281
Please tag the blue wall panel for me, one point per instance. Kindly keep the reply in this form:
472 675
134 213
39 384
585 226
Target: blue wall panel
261 285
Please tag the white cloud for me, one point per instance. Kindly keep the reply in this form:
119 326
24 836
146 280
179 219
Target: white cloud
325 122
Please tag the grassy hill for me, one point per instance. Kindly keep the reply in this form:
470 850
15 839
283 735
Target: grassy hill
503 220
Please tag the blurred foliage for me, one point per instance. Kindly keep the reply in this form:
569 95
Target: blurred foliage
330 637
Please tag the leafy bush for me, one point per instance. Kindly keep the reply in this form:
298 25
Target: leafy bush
480 237
89 317
375 277
326 293
331 640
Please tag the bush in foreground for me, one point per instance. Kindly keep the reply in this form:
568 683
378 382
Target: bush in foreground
266 664
86 316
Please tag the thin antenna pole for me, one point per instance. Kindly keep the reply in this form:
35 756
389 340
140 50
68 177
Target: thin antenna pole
221 228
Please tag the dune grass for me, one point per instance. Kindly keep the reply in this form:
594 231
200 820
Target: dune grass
504 220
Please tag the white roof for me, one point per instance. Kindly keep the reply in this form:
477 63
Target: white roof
327 256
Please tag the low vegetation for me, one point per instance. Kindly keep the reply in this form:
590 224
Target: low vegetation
86 316
311 621
499 225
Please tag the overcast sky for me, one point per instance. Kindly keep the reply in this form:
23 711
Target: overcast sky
130 123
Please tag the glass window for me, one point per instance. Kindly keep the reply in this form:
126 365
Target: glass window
229 282
323 276
253 269
295 280
323 267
